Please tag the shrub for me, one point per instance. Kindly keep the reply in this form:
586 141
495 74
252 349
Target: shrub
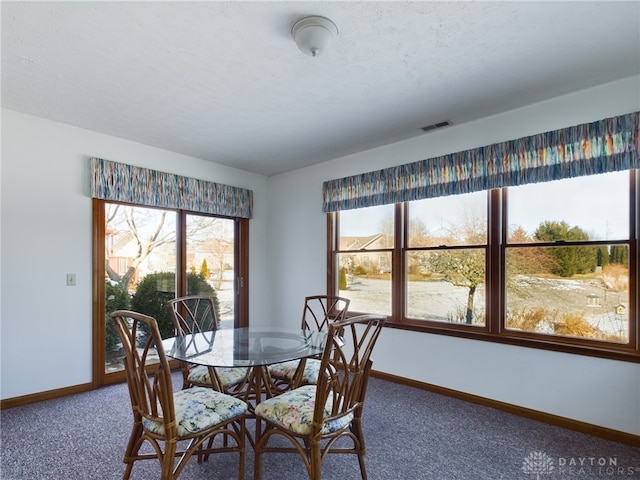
116 298
156 289
197 285
204 269
359 270
342 279
528 320
575 326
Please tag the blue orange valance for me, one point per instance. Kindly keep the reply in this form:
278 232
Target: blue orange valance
125 183
603 146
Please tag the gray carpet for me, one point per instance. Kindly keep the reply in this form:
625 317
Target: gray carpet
411 435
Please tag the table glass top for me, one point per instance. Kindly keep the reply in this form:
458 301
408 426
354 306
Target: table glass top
245 347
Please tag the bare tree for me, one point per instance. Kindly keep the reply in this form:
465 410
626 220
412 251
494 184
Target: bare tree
387 228
219 249
130 223
463 267
418 234
526 261
139 231
210 235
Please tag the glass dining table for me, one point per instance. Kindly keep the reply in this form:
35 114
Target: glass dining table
254 348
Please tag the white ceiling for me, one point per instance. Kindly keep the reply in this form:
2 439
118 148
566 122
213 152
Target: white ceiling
223 80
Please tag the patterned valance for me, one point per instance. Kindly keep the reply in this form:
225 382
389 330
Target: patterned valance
126 183
604 146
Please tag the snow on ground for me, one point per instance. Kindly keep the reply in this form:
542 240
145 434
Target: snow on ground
444 301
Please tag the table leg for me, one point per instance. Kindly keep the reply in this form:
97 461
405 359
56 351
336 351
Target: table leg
258 387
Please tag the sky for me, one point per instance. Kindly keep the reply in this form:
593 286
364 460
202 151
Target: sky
597 204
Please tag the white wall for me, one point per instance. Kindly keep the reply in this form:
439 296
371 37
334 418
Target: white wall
46 220
46 233
592 390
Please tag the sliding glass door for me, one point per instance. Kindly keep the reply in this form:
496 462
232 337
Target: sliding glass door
140 264
210 255
144 257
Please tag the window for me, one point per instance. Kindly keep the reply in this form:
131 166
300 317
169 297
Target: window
550 265
364 262
567 262
152 255
445 259
210 254
157 236
140 269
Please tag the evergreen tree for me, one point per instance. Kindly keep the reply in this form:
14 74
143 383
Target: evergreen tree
156 289
204 269
568 260
603 256
342 279
116 298
619 254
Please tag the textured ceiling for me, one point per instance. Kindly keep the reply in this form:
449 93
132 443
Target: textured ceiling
223 81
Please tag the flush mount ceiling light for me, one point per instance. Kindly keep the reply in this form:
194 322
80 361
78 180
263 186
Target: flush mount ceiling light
313 34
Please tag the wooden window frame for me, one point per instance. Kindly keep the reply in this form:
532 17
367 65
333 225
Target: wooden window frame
241 256
494 329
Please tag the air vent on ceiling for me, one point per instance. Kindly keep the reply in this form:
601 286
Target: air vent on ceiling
428 128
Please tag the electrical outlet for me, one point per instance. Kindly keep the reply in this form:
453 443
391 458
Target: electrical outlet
71 279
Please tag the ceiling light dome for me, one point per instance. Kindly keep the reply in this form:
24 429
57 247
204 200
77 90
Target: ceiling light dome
313 34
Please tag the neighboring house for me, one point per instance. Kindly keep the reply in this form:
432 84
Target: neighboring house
367 260
120 252
122 249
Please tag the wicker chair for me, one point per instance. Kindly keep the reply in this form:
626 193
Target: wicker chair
319 311
193 314
163 417
314 417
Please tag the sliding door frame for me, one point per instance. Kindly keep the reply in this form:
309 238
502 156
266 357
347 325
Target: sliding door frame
241 284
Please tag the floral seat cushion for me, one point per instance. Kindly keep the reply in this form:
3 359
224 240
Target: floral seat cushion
293 410
197 409
228 376
286 371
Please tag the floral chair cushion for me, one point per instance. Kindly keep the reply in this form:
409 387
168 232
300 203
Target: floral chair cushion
199 408
293 410
286 371
228 376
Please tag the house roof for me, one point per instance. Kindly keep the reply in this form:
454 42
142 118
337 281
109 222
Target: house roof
359 243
